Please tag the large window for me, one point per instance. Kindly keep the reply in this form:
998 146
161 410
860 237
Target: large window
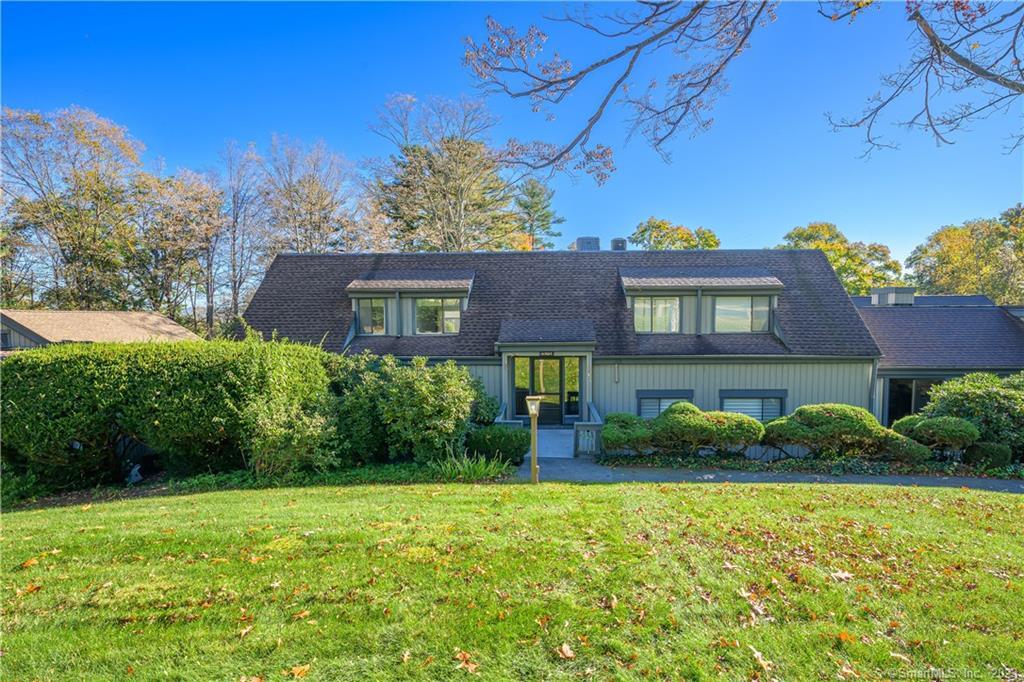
649 404
370 312
741 313
908 396
656 314
438 315
761 407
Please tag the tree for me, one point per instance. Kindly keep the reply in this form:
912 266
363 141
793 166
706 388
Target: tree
658 234
308 192
858 265
443 188
977 257
245 221
536 217
68 175
964 54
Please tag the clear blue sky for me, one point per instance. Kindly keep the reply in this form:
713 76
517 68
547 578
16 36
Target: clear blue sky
185 77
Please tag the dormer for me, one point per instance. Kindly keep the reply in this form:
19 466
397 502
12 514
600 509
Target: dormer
701 300
409 302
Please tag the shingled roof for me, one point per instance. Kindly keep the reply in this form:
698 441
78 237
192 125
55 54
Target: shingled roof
546 331
934 299
967 337
304 298
409 280
691 278
59 326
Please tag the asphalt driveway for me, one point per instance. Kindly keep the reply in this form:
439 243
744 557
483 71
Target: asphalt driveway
585 470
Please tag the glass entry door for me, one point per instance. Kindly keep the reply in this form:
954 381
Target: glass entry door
555 379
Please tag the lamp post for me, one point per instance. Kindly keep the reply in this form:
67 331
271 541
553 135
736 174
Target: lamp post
533 407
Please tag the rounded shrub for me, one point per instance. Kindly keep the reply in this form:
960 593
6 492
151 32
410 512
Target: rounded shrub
842 430
497 441
625 432
732 432
681 428
905 425
988 455
948 433
900 448
995 406
485 406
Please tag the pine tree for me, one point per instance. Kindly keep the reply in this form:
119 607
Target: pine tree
537 218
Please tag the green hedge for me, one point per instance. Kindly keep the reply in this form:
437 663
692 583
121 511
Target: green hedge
497 441
681 428
201 405
623 431
988 455
945 433
995 406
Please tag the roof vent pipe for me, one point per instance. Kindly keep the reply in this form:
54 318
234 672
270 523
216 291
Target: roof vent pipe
618 244
588 243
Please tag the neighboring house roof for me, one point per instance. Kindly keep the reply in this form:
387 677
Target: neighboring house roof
547 331
305 298
691 278
936 299
946 337
408 280
59 326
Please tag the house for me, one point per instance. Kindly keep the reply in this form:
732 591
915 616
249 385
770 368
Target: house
592 332
927 339
22 329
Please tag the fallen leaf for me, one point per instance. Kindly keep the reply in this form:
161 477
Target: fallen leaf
297 671
300 615
465 661
406 656
840 576
244 632
29 562
565 651
845 636
765 664
901 657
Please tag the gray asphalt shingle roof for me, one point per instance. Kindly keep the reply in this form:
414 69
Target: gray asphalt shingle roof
549 331
685 278
946 337
934 299
304 298
404 280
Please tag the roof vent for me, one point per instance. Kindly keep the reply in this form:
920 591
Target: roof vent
892 296
618 244
588 243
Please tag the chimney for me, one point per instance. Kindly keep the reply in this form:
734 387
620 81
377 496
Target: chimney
618 244
588 243
885 296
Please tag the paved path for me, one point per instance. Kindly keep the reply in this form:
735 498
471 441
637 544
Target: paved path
585 470
554 443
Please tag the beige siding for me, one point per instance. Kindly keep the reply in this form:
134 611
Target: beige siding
615 386
17 340
490 375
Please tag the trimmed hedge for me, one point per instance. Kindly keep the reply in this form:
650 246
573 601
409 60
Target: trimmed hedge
508 443
681 428
905 425
946 433
995 406
201 405
623 431
988 455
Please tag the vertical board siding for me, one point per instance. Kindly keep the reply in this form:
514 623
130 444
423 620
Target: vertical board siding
490 375
806 383
18 340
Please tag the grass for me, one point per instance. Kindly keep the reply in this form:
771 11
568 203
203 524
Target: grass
517 582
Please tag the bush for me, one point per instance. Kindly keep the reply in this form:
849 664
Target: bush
988 455
424 408
508 443
485 407
201 405
830 429
995 406
681 428
905 425
623 431
733 432
946 433
465 468
903 449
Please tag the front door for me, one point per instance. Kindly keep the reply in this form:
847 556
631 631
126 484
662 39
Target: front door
547 383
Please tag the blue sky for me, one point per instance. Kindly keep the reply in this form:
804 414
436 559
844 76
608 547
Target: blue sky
186 77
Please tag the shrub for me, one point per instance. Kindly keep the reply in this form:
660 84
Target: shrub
499 442
202 405
903 449
623 431
360 433
988 455
839 430
952 433
467 468
733 432
681 428
995 406
485 406
905 425
424 408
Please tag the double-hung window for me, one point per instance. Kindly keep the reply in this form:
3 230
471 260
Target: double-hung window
438 315
763 406
651 403
371 315
742 314
656 314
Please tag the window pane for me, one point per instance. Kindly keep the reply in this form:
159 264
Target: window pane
521 370
428 316
759 321
772 409
665 314
547 375
572 386
371 315
732 314
900 398
452 313
762 409
652 407
642 313
921 389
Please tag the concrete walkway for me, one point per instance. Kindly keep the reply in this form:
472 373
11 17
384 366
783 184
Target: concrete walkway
554 443
585 470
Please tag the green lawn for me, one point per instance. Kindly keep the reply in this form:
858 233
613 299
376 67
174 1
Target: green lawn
514 582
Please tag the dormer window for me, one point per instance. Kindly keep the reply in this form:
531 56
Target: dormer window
438 315
741 314
656 314
372 316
